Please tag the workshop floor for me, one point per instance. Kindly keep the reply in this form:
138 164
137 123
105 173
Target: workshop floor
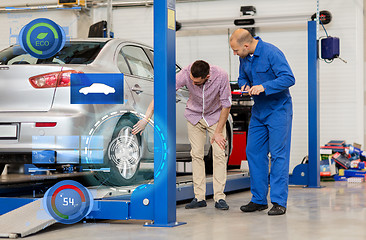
336 211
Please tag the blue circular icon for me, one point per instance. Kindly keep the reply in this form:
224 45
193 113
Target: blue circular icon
68 202
42 38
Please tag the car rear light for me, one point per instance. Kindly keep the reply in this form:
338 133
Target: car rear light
52 80
46 124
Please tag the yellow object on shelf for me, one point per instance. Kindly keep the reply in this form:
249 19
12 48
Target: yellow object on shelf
72 2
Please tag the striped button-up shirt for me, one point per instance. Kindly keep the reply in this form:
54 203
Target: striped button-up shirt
207 100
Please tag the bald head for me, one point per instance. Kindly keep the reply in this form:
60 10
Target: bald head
242 36
242 43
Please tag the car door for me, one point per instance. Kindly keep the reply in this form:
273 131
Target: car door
140 81
138 75
183 146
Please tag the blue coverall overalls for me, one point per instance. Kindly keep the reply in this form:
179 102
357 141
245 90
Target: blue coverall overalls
270 123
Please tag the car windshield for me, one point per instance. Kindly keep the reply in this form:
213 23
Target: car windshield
72 53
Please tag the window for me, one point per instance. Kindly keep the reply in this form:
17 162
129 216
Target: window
138 61
23 59
177 68
122 65
71 53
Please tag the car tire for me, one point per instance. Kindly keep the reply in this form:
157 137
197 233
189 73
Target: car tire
209 157
123 155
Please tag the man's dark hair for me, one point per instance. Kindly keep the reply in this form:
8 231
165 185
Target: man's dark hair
200 69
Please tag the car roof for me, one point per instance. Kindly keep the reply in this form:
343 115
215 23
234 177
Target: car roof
90 39
114 40
108 51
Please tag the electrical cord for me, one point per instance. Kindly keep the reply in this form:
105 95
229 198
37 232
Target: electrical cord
326 33
328 61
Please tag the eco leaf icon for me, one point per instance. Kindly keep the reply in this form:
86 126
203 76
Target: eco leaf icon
42 35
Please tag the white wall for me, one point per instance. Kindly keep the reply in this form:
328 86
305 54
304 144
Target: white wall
341 85
134 23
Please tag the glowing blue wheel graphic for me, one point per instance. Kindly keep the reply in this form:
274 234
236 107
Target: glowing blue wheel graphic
123 151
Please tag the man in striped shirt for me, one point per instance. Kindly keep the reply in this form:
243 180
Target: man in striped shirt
207 110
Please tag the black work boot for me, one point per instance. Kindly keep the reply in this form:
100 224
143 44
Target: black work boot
196 204
221 204
277 210
252 207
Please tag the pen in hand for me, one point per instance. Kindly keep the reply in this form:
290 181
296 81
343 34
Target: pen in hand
243 89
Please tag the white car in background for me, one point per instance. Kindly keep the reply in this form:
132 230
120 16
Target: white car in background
35 108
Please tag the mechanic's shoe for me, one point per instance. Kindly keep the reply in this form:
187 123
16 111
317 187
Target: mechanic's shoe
196 204
277 210
252 207
221 204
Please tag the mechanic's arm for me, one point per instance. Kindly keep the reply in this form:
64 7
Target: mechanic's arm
218 137
284 76
141 125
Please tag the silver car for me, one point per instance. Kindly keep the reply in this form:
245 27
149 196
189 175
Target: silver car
39 125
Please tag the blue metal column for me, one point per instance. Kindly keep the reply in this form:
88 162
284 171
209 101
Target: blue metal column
165 118
313 107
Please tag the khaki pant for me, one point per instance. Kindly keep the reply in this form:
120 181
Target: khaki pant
197 138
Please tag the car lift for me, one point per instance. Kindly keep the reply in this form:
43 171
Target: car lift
309 174
110 203
155 202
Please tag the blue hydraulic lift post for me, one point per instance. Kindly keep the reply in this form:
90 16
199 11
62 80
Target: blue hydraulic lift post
313 107
165 117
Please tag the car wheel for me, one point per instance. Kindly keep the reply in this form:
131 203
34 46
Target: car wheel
209 158
123 155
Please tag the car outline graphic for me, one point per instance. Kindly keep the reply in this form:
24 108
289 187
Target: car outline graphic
97 88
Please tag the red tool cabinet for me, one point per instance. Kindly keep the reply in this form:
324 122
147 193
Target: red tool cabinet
239 148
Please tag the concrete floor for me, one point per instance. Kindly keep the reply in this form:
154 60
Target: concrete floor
336 211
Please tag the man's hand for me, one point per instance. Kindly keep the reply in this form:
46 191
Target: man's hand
245 88
139 126
219 139
256 90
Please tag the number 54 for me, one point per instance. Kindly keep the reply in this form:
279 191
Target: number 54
68 201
